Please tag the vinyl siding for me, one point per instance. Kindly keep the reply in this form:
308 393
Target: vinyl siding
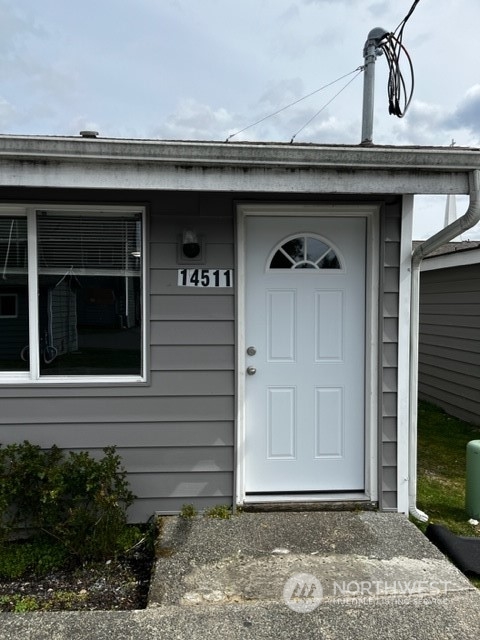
449 350
176 434
388 321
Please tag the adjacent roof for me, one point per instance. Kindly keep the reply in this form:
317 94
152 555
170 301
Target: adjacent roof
452 254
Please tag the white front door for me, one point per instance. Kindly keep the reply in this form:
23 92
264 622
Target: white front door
305 361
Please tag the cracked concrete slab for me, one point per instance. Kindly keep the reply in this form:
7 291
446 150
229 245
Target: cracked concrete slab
251 557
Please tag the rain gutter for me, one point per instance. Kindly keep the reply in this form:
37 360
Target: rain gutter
468 220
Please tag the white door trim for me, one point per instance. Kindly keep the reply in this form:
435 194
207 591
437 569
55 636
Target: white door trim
371 213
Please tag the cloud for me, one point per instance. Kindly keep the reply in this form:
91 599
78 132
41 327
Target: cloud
431 124
7 114
194 120
467 113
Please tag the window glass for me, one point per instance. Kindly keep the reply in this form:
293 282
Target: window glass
316 249
89 294
13 294
305 252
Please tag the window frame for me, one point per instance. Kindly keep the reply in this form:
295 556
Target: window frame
33 376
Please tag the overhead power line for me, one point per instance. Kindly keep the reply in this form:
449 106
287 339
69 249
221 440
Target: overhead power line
325 86
360 69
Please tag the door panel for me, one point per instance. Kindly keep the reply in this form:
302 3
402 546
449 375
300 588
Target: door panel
305 316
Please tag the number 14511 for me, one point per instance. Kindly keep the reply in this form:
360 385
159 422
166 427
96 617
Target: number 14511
205 278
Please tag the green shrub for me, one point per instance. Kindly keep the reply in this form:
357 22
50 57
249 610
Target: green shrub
74 499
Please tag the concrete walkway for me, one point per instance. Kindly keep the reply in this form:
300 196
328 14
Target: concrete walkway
309 575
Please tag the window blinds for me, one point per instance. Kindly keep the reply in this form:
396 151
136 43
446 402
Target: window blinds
89 244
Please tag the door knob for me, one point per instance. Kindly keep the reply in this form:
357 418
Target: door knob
251 371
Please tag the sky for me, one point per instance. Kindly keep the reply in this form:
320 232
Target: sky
206 69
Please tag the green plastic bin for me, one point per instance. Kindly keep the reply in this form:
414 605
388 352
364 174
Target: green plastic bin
472 493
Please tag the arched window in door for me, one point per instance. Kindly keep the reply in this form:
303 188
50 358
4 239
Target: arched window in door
304 251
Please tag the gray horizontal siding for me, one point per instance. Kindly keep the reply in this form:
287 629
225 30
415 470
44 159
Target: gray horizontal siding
449 340
163 253
193 357
172 383
192 307
184 332
181 459
181 485
173 434
121 409
388 321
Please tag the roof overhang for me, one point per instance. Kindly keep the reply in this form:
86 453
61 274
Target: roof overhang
75 162
453 259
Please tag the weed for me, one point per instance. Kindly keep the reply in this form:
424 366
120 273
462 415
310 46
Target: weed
65 600
38 556
188 511
19 604
221 511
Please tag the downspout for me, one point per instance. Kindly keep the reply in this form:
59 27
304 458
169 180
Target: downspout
468 220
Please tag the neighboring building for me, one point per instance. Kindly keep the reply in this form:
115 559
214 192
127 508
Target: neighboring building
233 316
449 351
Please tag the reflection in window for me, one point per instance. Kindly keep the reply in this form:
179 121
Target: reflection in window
89 285
305 252
13 293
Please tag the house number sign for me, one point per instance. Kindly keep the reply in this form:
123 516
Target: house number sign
205 278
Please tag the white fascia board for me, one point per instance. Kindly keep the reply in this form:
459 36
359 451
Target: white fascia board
454 259
87 173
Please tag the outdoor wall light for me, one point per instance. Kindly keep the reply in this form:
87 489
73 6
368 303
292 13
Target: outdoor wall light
190 244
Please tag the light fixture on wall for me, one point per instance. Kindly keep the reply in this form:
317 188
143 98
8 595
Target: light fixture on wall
190 247
190 244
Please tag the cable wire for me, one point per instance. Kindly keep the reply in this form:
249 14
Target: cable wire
360 69
325 86
398 97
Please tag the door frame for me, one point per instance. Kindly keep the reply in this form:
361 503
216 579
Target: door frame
371 212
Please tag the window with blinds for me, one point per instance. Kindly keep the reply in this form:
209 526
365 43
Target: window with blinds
89 286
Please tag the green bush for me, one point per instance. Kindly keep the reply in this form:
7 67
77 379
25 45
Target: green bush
74 499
